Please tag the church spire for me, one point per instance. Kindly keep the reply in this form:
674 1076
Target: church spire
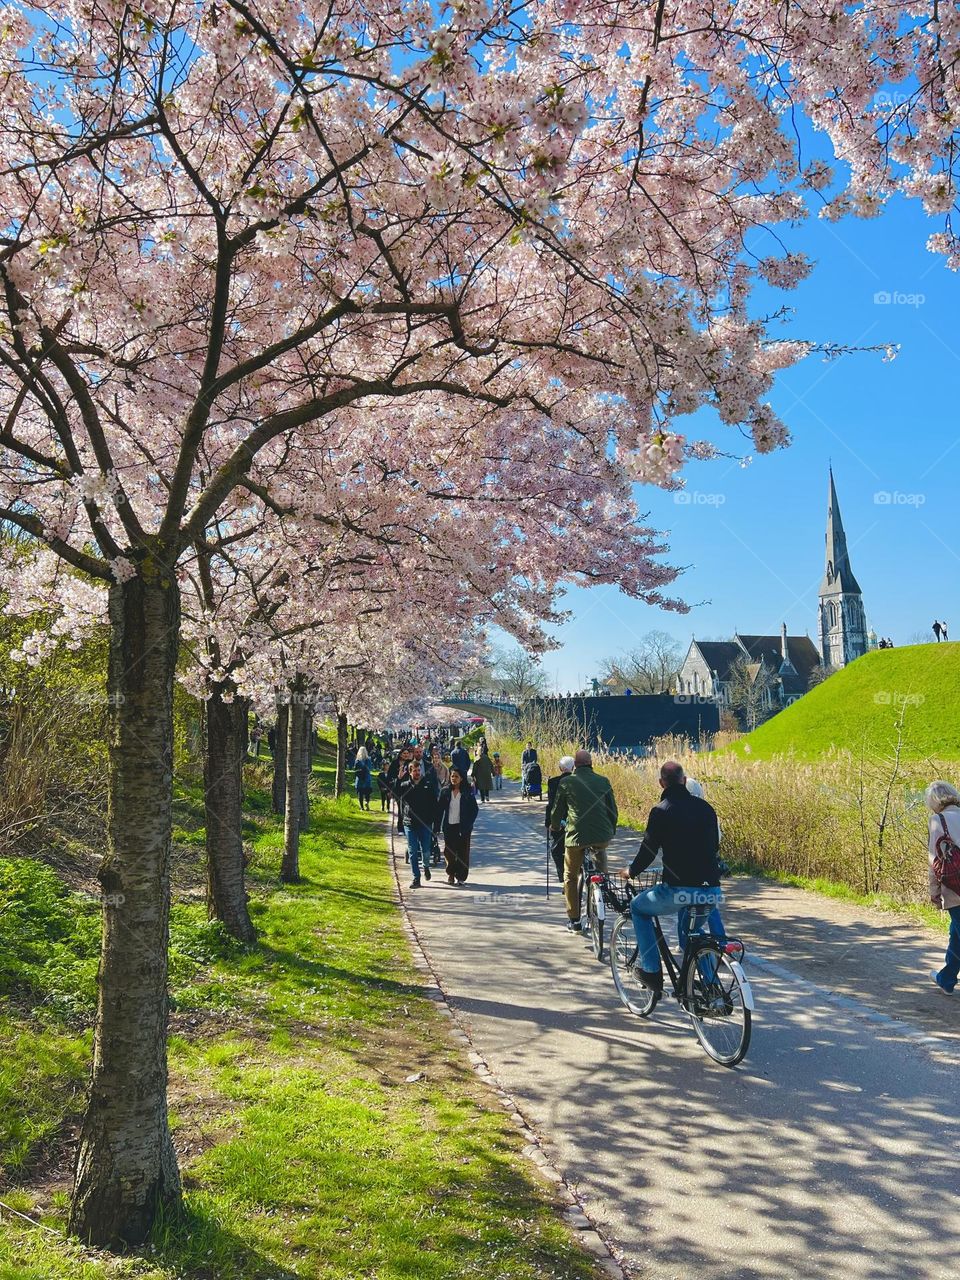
842 623
838 576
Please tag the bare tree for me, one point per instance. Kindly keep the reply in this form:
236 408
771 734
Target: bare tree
750 688
649 668
519 675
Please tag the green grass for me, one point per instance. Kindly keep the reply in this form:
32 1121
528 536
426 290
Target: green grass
858 707
310 1152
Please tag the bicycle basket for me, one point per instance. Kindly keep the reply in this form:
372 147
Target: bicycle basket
617 893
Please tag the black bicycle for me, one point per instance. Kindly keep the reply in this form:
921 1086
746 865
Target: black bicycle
593 911
709 983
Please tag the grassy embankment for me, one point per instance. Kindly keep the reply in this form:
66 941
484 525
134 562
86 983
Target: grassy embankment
325 1124
829 793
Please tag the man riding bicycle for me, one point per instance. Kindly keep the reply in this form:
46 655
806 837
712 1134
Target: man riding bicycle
584 800
684 829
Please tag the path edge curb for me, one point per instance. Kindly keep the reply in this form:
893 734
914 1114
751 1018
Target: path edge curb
574 1212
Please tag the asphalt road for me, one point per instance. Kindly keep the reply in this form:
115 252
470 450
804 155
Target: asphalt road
831 1151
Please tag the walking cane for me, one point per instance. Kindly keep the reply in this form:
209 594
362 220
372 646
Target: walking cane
548 862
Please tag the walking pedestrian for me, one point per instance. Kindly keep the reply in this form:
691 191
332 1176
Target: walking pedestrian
418 802
943 801
529 755
497 772
440 770
936 629
397 773
383 786
556 837
483 774
456 813
459 758
363 777
943 630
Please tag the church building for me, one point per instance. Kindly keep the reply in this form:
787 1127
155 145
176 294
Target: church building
788 664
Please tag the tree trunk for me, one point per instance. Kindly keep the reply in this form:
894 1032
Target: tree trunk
280 762
126 1168
226 749
296 718
341 783
306 769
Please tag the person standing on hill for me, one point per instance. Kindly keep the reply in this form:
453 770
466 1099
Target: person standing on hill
936 629
585 802
943 630
943 801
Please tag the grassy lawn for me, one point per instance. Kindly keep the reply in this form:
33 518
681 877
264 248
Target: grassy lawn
326 1125
857 708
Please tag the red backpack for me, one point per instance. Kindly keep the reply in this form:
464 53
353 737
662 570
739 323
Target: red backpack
946 861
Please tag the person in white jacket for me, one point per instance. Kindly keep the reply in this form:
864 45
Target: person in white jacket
943 801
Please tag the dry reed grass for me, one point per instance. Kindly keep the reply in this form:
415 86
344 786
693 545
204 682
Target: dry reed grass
859 822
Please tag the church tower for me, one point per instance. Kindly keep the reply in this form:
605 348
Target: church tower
842 625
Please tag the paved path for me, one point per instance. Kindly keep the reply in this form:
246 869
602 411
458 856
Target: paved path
832 1151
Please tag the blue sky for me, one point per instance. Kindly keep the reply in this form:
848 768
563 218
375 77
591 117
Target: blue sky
752 539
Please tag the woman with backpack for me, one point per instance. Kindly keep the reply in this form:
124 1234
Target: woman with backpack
943 801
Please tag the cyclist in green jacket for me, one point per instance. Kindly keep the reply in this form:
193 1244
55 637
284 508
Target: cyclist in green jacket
585 801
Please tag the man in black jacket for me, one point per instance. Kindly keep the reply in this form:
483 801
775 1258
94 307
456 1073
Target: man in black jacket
418 803
683 828
397 772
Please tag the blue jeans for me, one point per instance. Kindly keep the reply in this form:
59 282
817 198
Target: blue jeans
714 926
419 842
666 900
947 977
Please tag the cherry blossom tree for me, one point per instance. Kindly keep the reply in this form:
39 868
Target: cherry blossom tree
229 227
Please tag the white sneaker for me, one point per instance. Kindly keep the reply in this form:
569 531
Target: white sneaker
933 975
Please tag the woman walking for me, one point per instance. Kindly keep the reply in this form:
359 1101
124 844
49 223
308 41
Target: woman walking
457 812
363 777
943 801
483 774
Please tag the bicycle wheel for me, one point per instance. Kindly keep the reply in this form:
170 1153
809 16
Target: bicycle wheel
719 1002
595 916
623 958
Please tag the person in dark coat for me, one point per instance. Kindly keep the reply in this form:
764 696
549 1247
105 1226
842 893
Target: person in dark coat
556 837
529 756
459 759
483 775
363 778
456 813
397 773
418 803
